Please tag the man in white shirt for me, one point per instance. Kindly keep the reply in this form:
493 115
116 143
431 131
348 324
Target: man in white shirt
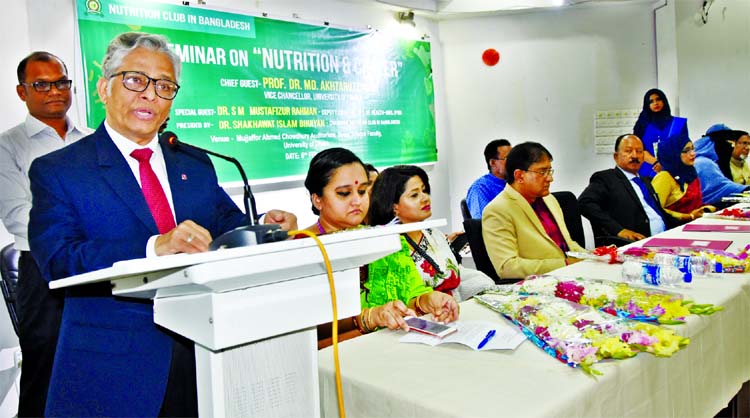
44 86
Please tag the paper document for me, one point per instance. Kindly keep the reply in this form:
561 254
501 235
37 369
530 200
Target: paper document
471 334
688 243
716 228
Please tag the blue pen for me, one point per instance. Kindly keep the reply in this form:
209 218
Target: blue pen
486 339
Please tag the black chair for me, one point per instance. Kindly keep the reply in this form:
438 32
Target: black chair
473 228
9 271
571 214
465 210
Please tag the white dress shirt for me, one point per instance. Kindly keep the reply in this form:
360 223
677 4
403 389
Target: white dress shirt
656 222
19 146
127 146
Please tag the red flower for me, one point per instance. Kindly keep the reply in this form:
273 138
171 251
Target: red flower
428 268
571 291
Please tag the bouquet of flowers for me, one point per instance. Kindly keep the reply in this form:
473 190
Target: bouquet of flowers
619 299
736 214
579 335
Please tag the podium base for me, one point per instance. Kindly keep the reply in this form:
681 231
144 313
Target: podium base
276 377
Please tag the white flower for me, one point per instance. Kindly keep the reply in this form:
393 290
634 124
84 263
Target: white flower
563 331
594 290
542 285
558 309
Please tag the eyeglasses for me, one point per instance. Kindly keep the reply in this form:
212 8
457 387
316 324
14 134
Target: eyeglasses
744 144
543 173
138 81
45 86
688 150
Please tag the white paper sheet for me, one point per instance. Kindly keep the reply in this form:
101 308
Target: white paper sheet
471 334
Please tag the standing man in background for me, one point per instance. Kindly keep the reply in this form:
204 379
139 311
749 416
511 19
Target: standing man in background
485 188
44 86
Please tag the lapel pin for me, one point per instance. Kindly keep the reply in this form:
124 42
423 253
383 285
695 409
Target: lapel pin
183 177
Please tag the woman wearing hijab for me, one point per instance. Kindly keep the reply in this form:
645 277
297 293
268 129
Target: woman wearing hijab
656 124
713 152
677 184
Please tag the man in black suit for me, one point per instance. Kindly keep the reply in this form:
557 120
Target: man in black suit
619 202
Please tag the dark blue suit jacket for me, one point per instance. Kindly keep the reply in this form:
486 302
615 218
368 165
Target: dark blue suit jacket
89 212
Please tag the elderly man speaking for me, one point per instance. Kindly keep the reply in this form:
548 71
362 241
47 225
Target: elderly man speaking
120 194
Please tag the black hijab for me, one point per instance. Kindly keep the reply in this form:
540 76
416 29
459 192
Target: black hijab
647 116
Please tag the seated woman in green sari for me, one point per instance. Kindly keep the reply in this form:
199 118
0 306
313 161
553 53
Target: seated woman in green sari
391 287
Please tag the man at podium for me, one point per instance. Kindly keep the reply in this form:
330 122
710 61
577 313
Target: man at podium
115 195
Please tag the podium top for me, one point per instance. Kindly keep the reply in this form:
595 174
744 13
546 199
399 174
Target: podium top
172 263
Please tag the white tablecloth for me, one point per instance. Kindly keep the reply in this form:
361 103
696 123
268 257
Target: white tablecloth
382 377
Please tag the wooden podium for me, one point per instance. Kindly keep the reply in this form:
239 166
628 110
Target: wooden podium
252 313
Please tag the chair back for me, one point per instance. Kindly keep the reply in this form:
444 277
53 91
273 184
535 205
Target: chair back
465 210
473 229
9 271
571 215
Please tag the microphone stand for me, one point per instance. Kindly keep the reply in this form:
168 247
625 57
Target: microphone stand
251 234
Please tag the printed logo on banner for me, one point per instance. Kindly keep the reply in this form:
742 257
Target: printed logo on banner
93 7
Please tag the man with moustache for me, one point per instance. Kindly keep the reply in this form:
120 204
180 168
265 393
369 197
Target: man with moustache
122 193
44 86
618 202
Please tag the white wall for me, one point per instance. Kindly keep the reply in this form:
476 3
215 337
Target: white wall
713 62
556 69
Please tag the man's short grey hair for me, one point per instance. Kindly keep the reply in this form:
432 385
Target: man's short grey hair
126 42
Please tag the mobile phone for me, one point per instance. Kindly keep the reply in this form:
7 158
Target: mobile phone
429 327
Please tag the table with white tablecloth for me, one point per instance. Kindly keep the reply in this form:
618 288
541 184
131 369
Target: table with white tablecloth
382 377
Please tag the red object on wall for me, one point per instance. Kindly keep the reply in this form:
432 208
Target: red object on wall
490 56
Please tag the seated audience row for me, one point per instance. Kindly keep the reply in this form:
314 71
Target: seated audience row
391 287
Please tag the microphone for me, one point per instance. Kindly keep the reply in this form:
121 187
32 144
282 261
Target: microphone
251 234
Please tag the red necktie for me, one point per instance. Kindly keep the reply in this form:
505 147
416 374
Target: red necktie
152 191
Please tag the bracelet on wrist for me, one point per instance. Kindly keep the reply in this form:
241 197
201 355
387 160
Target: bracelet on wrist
365 328
370 328
358 322
418 309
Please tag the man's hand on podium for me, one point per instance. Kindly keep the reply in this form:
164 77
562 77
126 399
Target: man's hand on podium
287 220
187 237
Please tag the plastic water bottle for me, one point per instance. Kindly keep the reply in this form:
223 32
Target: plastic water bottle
690 265
653 274
631 270
662 275
700 265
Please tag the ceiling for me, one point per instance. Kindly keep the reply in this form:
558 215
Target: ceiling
460 8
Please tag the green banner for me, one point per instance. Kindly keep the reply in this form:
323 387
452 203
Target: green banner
273 93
